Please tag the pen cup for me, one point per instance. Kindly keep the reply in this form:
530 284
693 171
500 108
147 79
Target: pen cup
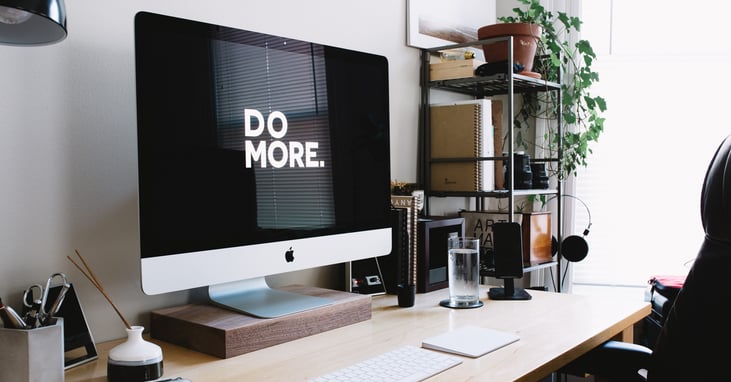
33 354
463 267
406 295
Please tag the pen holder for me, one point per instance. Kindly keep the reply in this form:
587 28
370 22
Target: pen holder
134 360
32 354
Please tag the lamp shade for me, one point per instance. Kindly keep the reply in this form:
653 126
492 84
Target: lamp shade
32 22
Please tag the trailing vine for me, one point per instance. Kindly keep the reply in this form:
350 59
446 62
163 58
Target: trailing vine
570 64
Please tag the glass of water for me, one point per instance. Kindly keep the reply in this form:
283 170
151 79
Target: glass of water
463 267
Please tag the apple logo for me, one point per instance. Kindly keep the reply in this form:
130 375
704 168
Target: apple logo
289 255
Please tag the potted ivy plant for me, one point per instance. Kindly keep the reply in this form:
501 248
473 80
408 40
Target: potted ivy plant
570 64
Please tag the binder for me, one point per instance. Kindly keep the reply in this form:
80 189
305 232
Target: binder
462 130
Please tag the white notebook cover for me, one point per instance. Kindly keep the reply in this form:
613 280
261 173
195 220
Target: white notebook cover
470 341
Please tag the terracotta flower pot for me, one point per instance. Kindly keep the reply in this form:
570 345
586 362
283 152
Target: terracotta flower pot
525 38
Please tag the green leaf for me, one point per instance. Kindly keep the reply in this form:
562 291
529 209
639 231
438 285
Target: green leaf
555 62
601 102
584 47
564 19
576 23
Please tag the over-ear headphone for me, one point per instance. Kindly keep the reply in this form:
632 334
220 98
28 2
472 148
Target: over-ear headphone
574 247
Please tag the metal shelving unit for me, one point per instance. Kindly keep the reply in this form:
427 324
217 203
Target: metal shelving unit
508 84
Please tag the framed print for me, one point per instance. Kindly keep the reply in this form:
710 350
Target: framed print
432 23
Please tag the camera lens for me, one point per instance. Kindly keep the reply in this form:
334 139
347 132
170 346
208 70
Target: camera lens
522 172
540 175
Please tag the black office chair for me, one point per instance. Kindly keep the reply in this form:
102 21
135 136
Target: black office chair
694 341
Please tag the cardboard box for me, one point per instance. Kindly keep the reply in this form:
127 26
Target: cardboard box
535 227
451 69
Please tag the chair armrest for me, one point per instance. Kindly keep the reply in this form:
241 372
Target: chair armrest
613 359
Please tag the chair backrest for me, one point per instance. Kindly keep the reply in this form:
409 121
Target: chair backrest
692 345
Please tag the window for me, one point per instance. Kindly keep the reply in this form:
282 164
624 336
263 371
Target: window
265 85
662 70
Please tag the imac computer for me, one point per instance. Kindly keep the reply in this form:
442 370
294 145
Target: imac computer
257 155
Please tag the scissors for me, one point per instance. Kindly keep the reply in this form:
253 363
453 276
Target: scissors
35 299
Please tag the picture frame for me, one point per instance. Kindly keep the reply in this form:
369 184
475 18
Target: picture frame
433 252
433 23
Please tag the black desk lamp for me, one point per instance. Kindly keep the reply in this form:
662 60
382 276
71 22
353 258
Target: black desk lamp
32 22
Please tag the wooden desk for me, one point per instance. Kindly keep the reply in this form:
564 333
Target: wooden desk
554 329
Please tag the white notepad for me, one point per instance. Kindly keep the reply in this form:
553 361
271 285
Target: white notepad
470 341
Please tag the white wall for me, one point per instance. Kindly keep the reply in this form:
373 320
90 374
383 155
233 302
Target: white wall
68 143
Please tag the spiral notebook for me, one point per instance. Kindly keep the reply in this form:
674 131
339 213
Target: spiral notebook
470 341
462 129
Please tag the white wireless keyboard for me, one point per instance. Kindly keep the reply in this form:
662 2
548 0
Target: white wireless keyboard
405 364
